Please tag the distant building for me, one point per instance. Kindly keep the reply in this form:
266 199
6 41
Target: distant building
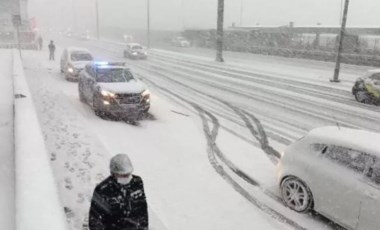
8 35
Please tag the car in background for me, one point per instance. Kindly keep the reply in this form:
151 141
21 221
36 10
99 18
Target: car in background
68 34
135 51
84 36
73 61
367 89
111 90
180 42
336 172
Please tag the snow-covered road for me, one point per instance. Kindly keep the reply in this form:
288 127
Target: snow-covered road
169 152
211 124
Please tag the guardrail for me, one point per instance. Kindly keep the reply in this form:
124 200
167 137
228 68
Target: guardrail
37 201
25 46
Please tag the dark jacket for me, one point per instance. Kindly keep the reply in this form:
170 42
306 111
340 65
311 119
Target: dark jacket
51 47
119 207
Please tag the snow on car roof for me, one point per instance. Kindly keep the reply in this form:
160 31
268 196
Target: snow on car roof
134 44
374 71
73 49
361 140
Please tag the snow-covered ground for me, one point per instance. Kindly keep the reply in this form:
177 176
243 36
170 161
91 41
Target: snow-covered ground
208 151
7 174
168 150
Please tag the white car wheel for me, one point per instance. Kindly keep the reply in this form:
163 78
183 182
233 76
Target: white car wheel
296 195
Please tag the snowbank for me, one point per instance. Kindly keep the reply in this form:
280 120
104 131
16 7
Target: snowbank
7 188
37 201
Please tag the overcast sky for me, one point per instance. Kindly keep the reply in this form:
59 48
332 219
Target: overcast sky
179 14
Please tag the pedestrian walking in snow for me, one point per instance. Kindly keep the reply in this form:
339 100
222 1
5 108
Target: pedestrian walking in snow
40 42
119 202
51 50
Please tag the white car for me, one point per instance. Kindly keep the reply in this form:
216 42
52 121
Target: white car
180 42
73 61
135 51
336 172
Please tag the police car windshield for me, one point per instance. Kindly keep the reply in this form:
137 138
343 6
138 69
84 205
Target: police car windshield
113 75
81 56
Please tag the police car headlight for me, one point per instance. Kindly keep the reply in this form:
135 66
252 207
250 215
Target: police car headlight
106 93
70 70
134 53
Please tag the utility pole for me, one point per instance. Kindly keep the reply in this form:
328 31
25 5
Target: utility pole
241 12
183 14
219 32
16 20
340 45
148 23
97 20
341 12
74 17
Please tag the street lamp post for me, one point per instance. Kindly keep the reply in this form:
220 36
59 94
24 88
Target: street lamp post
219 32
74 16
97 20
148 23
340 45
241 12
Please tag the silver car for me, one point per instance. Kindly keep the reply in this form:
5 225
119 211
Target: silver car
73 61
336 172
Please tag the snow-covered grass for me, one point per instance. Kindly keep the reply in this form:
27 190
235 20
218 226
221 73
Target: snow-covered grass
7 188
37 202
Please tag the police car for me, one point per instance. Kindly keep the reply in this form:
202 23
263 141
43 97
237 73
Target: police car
111 90
367 88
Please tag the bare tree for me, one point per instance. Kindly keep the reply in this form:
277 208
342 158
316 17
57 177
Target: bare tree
219 32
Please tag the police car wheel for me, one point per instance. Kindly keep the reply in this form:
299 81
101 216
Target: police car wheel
100 114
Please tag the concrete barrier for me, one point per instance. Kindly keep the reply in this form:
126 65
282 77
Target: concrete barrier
37 200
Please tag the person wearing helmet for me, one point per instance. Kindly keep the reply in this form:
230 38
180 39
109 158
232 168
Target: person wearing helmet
119 202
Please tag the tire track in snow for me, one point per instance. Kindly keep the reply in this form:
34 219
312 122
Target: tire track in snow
275 133
265 95
259 135
214 152
219 168
276 136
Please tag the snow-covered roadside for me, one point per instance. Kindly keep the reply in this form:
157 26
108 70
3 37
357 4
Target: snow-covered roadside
312 69
37 202
78 157
169 153
7 188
